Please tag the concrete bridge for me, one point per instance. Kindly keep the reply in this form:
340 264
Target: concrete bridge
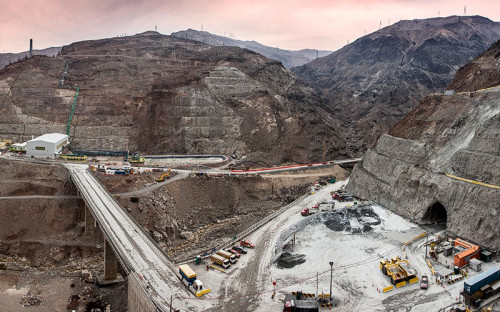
152 280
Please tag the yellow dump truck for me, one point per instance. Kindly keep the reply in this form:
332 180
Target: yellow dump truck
223 262
398 270
229 256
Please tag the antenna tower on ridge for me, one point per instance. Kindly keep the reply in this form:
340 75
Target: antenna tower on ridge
465 10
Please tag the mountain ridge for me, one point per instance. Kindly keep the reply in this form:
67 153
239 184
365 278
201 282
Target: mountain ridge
375 81
288 58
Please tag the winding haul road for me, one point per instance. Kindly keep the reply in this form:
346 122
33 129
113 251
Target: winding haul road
135 249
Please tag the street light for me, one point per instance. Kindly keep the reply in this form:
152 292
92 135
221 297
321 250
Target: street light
331 277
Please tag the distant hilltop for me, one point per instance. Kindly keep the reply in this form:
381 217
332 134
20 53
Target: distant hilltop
288 58
9 58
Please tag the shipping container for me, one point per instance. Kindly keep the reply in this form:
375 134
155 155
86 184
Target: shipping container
475 283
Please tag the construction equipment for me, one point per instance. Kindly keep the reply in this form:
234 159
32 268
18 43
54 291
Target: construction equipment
5 143
135 158
229 256
469 251
74 157
398 270
223 262
190 276
164 176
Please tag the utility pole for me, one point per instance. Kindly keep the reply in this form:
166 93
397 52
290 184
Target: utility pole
317 291
426 241
331 277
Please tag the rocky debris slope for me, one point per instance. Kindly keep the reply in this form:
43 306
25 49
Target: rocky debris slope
457 135
288 58
45 231
373 82
167 95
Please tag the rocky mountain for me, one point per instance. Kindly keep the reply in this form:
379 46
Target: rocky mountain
288 58
418 169
167 95
9 58
375 81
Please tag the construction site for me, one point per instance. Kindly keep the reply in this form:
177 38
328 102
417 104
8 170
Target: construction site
281 238
156 173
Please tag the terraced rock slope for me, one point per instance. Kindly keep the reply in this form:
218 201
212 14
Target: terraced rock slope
408 169
167 95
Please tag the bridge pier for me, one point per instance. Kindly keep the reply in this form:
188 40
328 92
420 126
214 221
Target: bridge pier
90 223
110 262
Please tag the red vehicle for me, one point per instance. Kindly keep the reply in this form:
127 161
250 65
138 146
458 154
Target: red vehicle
234 252
247 244
306 212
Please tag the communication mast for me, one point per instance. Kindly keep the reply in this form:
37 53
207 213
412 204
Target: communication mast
465 10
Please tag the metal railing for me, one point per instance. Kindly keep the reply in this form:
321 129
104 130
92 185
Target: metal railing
244 233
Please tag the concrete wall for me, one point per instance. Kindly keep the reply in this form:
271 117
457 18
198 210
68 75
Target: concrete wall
138 300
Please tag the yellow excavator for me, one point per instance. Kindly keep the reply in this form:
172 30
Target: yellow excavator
164 176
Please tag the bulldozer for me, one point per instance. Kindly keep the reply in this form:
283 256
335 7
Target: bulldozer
135 158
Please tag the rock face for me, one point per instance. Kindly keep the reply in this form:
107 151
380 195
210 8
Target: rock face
373 82
457 135
167 95
288 58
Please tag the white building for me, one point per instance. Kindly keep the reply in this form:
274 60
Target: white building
47 145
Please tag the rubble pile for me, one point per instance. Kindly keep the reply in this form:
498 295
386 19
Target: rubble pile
30 300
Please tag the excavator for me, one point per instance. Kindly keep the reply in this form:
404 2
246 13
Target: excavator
164 176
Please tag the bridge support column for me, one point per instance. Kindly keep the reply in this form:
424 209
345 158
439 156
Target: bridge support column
110 262
89 222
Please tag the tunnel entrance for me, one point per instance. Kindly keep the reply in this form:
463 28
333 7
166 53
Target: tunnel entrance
435 214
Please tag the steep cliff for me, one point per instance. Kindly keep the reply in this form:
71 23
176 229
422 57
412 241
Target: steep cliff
412 170
167 95
375 81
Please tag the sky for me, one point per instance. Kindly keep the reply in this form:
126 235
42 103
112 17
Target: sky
287 24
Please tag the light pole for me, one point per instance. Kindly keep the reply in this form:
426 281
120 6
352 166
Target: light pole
331 277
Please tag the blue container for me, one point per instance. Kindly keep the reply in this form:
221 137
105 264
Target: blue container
475 283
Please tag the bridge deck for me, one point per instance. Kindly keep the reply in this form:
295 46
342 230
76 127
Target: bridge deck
132 245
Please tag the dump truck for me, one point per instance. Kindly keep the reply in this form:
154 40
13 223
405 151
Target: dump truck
409 270
393 270
223 262
227 255
190 276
